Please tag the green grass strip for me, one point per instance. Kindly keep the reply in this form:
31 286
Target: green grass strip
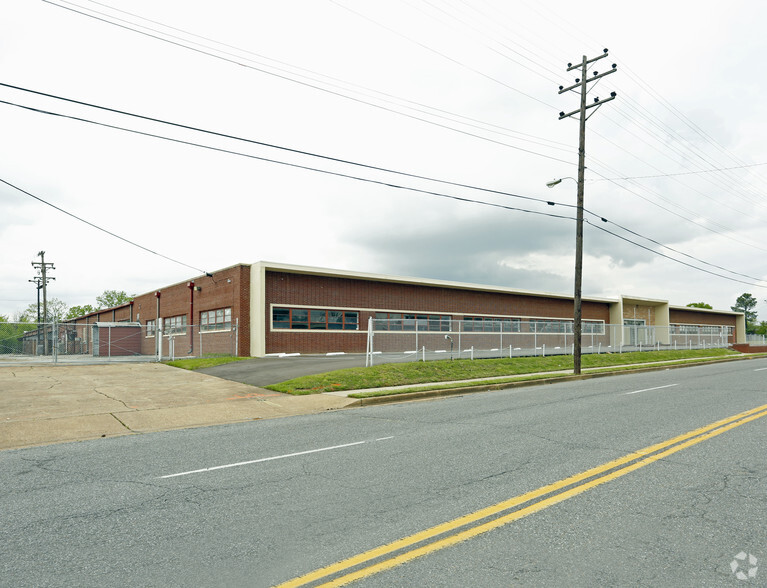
405 374
198 363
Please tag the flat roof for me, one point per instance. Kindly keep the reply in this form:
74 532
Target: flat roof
336 273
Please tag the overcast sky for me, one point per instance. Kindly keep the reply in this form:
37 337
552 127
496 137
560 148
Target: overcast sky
459 91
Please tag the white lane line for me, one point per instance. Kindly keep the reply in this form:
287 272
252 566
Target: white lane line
760 369
648 389
242 463
384 438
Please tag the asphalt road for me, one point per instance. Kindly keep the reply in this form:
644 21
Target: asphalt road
301 493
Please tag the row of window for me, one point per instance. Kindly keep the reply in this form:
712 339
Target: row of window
701 330
309 318
395 321
210 320
302 318
516 325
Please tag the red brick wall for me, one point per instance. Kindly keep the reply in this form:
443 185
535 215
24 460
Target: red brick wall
227 288
286 289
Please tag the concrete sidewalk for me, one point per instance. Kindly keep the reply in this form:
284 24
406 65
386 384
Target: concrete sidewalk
53 404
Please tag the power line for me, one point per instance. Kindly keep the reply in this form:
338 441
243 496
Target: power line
237 138
358 178
241 62
82 220
687 173
444 56
672 258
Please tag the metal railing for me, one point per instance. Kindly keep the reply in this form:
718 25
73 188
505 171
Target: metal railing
110 342
421 340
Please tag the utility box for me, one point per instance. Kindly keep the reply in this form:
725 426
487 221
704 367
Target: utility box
116 339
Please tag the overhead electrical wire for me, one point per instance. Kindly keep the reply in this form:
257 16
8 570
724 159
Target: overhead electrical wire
287 149
237 138
447 57
417 118
342 83
242 62
687 173
372 167
661 125
382 183
102 229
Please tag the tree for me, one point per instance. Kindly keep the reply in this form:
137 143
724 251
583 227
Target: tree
111 298
745 303
700 305
11 335
57 309
78 311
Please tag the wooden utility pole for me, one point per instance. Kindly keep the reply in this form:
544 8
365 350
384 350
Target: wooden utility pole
581 82
44 278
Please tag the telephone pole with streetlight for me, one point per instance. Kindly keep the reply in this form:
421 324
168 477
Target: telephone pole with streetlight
581 83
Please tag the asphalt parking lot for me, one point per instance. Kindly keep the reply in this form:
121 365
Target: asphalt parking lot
273 370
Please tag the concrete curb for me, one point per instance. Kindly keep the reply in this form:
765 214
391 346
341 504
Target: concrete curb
470 389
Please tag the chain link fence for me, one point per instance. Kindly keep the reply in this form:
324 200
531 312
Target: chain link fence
30 343
425 340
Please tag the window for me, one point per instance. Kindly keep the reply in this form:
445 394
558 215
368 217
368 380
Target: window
394 321
151 327
489 324
315 319
174 325
216 320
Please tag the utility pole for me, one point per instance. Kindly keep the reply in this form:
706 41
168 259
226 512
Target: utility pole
582 83
44 278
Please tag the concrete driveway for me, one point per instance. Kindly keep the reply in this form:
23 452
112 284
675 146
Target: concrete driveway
58 403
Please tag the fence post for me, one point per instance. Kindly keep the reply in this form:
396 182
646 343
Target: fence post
369 348
510 347
460 349
544 350
472 352
54 341
423 353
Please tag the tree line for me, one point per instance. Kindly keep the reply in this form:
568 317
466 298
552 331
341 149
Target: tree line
58 310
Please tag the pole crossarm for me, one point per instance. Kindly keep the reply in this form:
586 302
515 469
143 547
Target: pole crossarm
578 111
580 82
571 67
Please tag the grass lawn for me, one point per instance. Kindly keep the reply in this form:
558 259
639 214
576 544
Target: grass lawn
197 363
403 374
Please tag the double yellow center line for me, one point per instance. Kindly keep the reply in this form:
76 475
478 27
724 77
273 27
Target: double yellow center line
470 525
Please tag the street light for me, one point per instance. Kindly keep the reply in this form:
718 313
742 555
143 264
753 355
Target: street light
577 302
553 183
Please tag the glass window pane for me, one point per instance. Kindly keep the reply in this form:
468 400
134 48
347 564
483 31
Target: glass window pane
351 319
318 319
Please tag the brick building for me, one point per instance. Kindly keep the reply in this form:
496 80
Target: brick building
278 308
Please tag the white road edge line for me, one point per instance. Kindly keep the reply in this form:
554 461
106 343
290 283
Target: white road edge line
760 369
242 463
648 389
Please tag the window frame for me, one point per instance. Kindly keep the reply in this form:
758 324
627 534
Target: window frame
224 325
315 319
